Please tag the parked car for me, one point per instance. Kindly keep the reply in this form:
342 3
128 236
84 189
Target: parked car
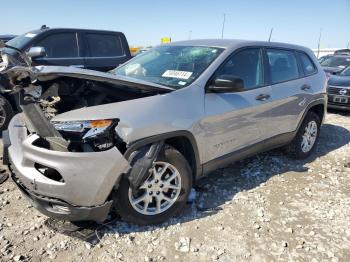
135 141
6 38
84 48
339 90
335 63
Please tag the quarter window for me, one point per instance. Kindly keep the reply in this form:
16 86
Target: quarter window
60 45
308 66
247 65
104 45
283 65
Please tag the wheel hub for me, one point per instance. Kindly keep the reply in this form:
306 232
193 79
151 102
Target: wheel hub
159 192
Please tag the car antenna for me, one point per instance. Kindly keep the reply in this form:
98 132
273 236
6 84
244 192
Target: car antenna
270 34
43 27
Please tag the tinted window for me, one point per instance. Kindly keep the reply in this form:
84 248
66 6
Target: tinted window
283 65
103 45
60 45
308 66
247 65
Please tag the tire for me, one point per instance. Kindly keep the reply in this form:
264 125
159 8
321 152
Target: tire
6 113
295 148
124 194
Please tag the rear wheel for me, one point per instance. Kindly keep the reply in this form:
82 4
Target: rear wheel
305 140
161 196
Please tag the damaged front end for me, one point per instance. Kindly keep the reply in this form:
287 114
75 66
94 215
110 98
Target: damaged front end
68 169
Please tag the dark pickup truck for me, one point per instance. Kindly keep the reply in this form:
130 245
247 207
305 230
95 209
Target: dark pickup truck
90 49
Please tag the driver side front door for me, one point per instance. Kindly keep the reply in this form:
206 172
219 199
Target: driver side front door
236 122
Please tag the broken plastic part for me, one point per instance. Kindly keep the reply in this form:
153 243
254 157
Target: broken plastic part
141 161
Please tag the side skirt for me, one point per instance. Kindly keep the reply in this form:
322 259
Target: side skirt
263 146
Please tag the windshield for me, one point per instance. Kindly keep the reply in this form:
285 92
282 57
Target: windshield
336 61
172 66
21 41
345 72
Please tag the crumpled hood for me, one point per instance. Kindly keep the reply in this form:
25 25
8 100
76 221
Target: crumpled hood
46 73
111 111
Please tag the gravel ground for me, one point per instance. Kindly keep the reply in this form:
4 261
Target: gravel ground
266 208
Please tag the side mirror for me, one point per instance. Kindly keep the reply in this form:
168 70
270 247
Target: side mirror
2 44
226 84
36 52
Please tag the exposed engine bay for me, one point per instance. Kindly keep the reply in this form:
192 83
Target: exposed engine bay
43 95
66 94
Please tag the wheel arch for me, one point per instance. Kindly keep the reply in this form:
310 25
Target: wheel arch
182 140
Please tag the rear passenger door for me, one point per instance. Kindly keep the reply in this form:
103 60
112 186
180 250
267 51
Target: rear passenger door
291 91
104 51
61 50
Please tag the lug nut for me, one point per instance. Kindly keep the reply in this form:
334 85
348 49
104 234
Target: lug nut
158 193
150 193
161 185
156 181
149 186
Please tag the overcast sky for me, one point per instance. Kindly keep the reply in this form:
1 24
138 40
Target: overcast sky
145 22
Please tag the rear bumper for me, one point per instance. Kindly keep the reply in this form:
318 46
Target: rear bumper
87 177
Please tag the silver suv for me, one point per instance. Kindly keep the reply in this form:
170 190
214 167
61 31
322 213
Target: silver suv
135 140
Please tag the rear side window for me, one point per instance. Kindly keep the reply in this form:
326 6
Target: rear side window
104 45
60 45
307 64
283 65
247 65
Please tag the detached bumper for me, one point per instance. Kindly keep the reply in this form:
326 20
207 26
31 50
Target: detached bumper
86 179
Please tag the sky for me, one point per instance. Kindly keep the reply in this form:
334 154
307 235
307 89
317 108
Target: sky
145 22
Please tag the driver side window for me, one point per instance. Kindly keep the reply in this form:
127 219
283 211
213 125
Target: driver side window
247 65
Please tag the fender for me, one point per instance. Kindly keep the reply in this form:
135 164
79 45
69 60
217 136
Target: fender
161 137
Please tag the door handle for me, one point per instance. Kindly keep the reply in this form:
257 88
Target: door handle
305 87
262 97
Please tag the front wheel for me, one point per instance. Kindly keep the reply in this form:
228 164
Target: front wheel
306 138
6 113
161 196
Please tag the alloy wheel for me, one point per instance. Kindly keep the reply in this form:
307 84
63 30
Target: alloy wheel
159 192
309 136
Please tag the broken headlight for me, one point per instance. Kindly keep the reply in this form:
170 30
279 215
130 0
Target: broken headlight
94 135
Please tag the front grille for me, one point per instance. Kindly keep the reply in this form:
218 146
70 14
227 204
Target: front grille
334 90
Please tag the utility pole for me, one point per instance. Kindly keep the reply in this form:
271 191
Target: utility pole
223 26
270 34
348 45
319 43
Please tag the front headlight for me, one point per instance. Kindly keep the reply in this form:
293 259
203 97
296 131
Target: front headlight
97 133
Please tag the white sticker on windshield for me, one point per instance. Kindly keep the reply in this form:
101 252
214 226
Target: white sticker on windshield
182 83
177 74
30 35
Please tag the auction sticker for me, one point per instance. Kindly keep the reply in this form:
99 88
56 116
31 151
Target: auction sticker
177 74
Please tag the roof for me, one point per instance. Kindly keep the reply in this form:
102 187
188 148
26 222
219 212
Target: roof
236 43
38 31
